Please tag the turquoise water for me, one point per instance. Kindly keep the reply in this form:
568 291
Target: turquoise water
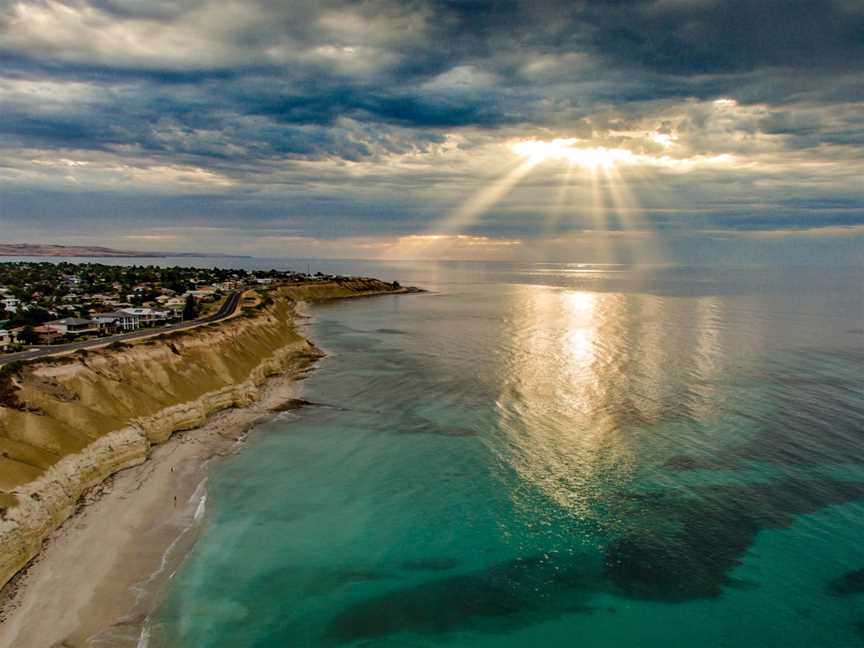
552 455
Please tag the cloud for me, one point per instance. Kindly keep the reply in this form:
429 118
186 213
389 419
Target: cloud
382 118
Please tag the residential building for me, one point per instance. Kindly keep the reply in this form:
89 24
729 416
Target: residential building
5 339
46 333
175 307
148 315
74 326
10 304
117 321
201 295
228 285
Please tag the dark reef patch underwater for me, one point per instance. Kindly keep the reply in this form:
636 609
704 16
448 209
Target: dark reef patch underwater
707 537
851 582
709 534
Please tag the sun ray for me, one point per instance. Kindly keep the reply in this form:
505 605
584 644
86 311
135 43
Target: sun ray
614 208
629 212
487 197
598 212
559 207
611 215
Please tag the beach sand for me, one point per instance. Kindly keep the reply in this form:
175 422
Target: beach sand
101 573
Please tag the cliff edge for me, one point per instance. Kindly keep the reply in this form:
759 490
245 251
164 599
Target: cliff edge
68 422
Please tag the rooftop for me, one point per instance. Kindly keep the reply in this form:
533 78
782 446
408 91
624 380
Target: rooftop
71 321
113 314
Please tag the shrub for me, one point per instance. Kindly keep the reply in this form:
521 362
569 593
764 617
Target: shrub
8 389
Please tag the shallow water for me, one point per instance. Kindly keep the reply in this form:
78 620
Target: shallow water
549 455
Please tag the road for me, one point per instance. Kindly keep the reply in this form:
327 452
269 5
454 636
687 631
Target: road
226 310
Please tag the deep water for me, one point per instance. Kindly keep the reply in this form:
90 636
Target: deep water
552 455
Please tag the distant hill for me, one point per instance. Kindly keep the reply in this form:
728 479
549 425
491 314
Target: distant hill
46 250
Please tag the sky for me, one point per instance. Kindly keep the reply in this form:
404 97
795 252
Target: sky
606 131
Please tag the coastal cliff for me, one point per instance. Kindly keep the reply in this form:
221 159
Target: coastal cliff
69 422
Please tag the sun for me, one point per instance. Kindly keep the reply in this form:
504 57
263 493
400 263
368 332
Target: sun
610 195
568 150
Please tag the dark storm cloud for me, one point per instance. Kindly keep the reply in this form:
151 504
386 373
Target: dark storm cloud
667 43
730 36
664 44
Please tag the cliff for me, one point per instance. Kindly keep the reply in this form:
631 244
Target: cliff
68 422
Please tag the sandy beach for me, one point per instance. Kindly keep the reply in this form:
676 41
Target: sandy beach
98 576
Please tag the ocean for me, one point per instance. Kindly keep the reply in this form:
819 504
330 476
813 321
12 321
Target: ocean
550 455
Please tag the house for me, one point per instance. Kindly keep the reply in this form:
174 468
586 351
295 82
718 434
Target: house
74 326
10 304
117 321
5 340
148 315
46 333
174 306
228 285
142 315
197 295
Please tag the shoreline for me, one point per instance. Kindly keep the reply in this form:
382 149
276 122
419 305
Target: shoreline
97 574
70 421
100 574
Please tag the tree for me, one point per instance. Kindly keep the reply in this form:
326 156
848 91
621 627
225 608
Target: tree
27 335
191 308
30 317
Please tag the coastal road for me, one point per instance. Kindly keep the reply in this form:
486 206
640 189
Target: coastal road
228 308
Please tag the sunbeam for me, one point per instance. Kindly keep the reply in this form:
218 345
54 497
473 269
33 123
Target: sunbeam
561 205
613 206
593 193
485 198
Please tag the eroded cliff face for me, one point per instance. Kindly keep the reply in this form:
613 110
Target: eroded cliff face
69 422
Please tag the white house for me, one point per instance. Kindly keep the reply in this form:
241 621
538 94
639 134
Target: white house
5 339
10 304
143 315
174 306
201 293
117 320
230 284
148 315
